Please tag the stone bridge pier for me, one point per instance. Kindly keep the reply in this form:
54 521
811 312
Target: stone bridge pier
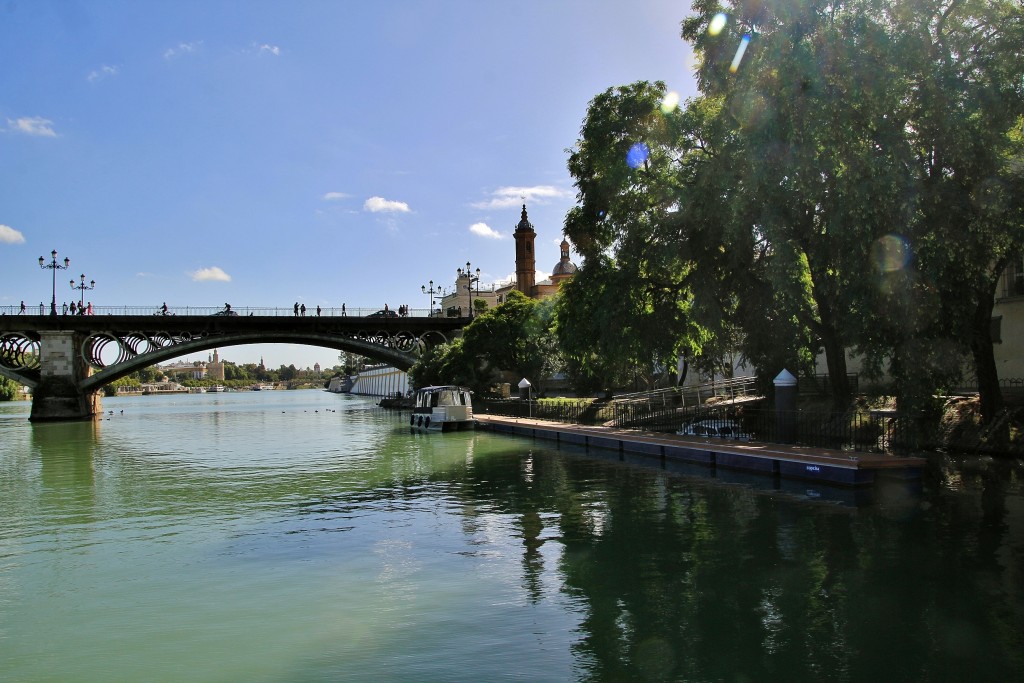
61 369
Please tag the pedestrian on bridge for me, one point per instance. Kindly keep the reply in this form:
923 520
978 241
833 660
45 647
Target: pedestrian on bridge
342 309
296 309
22 311
318 310
302 309
74 309
65 309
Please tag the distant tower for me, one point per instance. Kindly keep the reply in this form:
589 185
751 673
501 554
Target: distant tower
526 263
215 368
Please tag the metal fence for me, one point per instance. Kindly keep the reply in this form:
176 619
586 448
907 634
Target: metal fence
694 394
273 311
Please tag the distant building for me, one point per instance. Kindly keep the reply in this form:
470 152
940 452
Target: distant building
180 371
456 303
381 380
1008 322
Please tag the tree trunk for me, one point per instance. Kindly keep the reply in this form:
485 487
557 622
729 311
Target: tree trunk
835 353
989 392
835 358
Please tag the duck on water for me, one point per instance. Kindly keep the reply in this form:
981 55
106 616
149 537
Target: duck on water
442 409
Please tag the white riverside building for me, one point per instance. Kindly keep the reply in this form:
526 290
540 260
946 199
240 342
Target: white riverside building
381 380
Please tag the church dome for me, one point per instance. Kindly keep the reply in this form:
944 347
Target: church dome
564 267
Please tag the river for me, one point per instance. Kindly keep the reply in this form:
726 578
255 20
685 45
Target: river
307 536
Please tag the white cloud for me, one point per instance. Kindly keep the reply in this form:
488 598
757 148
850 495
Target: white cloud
505 197
485 230
213 274
101 73
335 196
32 125
9 235
269 49
181 49
381 205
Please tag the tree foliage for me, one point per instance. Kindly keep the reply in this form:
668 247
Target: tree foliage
848 180
8 389
514 338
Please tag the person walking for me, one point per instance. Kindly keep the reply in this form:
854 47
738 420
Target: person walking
343 310
296 308
22 311
318 310
64 311
302 310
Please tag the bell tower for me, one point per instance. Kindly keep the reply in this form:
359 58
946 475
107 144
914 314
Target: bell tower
526 262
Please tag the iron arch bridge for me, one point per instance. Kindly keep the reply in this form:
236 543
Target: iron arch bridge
67 359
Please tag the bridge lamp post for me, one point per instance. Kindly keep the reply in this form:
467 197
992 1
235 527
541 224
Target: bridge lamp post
432 291
470 279
54 266
83 287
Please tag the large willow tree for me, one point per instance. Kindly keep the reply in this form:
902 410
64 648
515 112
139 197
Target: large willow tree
880 135
848 180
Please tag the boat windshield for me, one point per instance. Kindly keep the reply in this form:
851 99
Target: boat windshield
442 396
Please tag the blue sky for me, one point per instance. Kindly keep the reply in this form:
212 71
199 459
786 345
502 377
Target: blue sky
263 153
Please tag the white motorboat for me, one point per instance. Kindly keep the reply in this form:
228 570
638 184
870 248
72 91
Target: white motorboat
442 409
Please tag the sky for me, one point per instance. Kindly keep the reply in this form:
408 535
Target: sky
320 152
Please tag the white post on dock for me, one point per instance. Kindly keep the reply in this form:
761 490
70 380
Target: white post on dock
785 406
525 384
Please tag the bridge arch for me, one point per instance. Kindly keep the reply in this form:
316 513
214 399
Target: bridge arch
106 375
67 359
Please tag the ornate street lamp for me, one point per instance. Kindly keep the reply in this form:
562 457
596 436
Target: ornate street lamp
469 284
432 291
82 287
54 266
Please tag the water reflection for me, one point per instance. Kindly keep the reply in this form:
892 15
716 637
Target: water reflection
681 577
386 555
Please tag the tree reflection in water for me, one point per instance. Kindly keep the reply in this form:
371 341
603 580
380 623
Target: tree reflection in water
687 579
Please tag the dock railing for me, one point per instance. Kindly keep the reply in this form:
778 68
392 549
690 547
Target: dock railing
866 432
694 394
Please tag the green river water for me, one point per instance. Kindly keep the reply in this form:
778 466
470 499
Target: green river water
306 536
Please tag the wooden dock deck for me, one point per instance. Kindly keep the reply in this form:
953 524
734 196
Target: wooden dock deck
797 462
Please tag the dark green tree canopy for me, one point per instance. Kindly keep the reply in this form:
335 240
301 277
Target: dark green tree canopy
846 182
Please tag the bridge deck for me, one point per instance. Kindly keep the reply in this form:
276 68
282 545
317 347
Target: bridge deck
222 323
813 464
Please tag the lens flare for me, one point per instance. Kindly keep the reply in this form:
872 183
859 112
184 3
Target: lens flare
717 24
890 253
670 102
637 155
735 66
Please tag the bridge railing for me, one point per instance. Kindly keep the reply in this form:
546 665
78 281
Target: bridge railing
274 311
